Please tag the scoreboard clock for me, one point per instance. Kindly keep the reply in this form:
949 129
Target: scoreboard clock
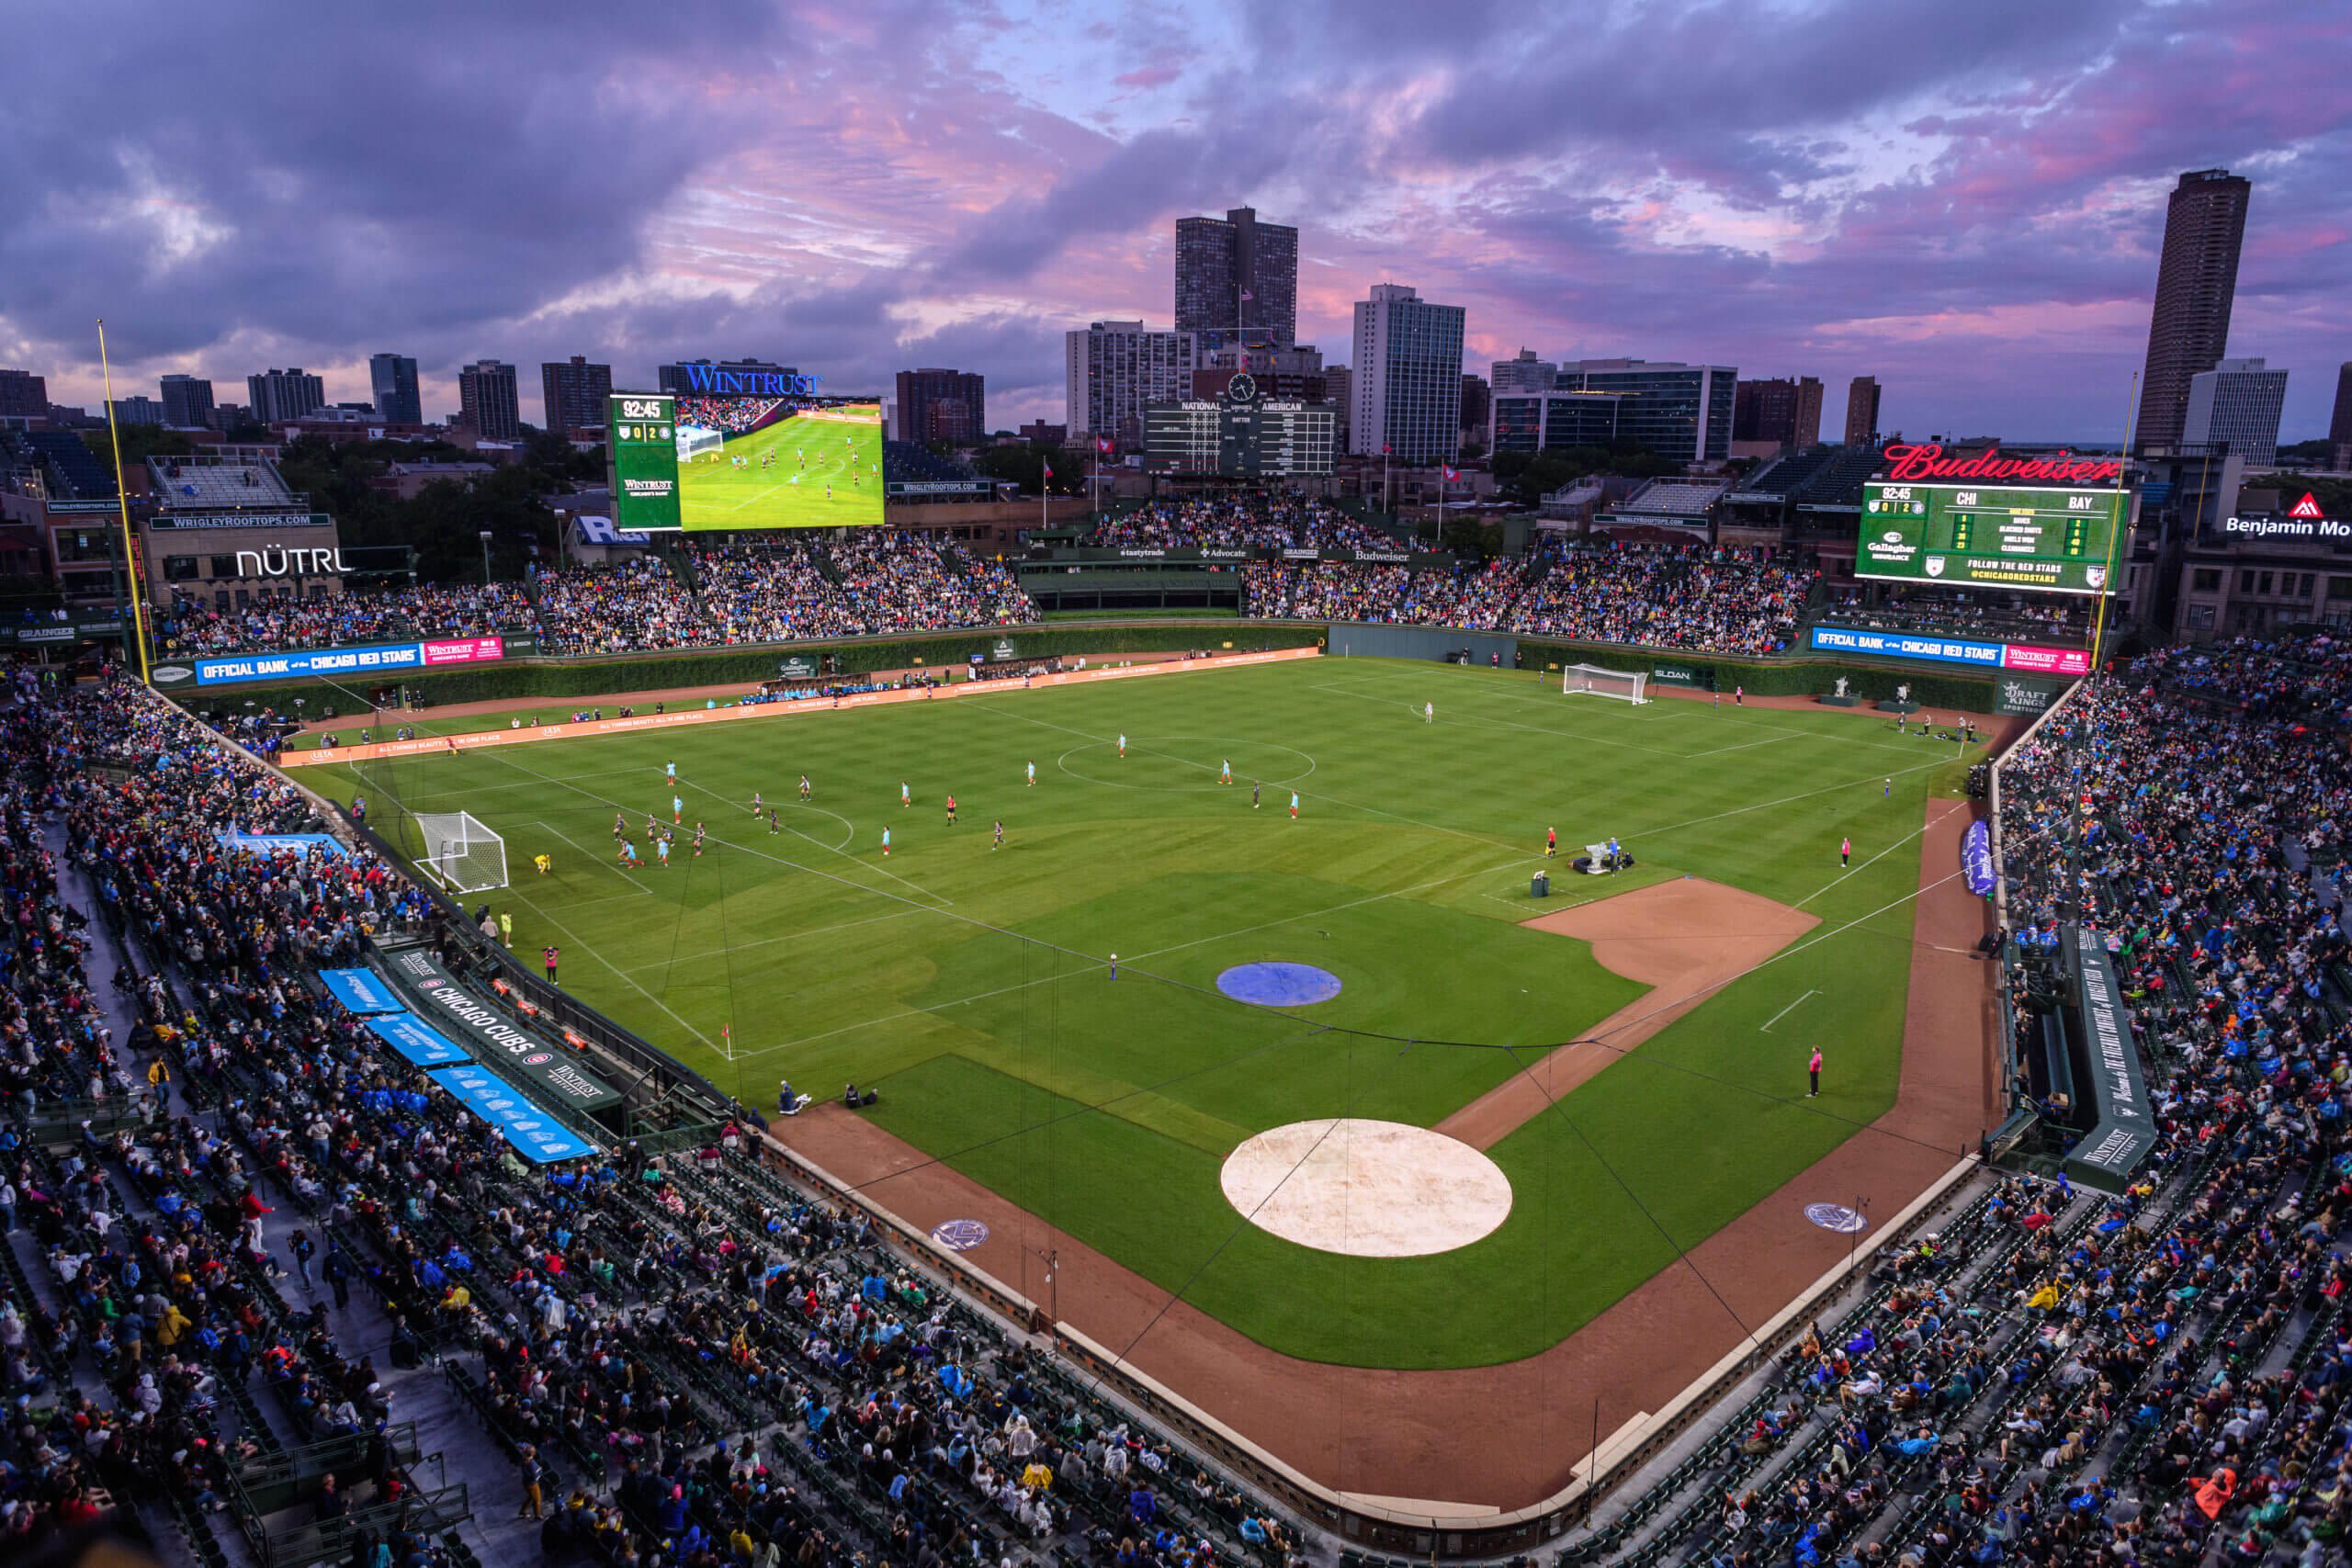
641 460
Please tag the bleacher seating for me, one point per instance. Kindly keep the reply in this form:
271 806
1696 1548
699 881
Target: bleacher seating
1679 498
224 484
74 471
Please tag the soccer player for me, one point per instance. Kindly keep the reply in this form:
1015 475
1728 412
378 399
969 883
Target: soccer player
771 827
671 773
804 791
620 826
1123 743
1000 836
885 843
951 811
828 492
1033 775
1294 806
1889 789
677 810
650 828
758 803
1428 712
627 857
1253 795
1225 771
662 848
905 799
699 833
545 865
1550 843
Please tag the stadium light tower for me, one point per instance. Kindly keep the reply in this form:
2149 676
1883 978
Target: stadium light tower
485 557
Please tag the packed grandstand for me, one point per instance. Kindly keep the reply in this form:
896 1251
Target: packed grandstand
883 581
688 1359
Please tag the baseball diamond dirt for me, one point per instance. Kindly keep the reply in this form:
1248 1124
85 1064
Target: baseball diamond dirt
1508 1436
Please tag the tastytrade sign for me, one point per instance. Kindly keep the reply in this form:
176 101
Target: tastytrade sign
2031 658
335 662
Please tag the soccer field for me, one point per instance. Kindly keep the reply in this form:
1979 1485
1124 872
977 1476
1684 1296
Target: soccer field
969 985
843 454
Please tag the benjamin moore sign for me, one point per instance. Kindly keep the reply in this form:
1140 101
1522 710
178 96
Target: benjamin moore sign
495 1040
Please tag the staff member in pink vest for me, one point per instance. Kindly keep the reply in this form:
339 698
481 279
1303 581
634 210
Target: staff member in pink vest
1813 1071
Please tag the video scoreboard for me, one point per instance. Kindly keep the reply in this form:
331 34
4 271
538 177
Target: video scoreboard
641 442
2048 540
1241 434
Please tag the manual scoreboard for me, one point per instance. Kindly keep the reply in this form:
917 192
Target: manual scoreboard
642 444
1240 435
2045 541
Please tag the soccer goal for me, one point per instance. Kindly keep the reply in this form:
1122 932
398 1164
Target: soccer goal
693 442
460 854
1592 680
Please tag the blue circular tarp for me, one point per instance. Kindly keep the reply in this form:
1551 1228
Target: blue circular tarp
1279 985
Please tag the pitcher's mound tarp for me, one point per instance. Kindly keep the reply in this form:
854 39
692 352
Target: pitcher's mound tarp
1274 985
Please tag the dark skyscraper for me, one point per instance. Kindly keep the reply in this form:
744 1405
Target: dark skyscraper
2339 426
1777 408
2197 280
392 378
1861 412
1235 271
573 394
486 394
942 405
187 401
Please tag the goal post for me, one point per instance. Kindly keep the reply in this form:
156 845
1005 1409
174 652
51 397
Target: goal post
460 852
1592 680
693 441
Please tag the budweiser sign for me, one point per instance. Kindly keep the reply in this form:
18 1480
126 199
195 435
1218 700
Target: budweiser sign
1928 462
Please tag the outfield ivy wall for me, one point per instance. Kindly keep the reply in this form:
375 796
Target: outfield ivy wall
556 679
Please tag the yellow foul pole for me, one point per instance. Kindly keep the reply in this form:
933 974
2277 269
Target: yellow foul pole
122 501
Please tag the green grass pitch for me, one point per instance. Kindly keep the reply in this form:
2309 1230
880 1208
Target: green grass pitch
714 493
967 983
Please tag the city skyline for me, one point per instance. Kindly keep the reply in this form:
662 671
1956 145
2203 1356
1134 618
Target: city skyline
1966 203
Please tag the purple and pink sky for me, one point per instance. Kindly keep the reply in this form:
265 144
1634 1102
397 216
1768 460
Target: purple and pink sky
1963 199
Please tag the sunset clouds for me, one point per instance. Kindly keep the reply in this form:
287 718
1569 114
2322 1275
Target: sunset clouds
1964 199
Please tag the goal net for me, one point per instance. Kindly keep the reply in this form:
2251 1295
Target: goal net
693 441
1590 680
460 854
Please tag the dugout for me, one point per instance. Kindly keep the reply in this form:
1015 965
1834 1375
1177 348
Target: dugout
1357 639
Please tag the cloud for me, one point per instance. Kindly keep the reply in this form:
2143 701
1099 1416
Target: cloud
1964 200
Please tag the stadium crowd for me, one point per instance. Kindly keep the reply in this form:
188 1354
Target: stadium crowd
343 620
1726 602
1267 522
685 1357
771 592
732 415
625 608
897 581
